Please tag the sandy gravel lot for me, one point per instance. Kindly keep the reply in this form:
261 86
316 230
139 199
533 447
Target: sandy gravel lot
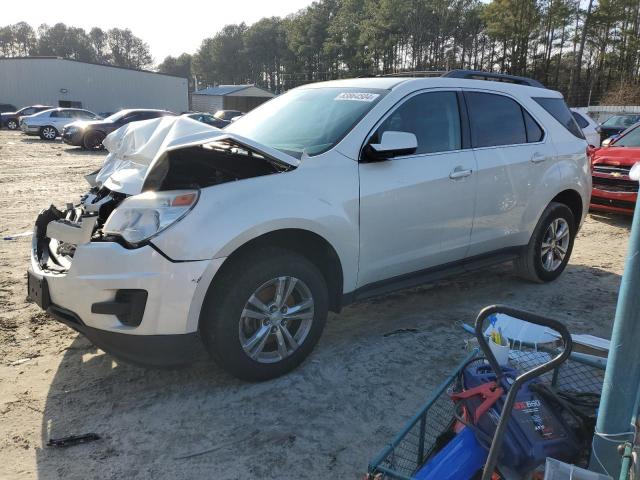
325 420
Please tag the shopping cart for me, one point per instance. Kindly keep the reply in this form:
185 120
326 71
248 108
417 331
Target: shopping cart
428 431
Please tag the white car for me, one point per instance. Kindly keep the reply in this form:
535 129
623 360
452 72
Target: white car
49 123
588 126
243 239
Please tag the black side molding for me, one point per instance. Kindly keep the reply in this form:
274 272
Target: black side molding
430 275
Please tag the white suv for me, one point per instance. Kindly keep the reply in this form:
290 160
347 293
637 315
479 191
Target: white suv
243 239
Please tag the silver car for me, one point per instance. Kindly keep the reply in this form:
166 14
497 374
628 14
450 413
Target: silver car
49 123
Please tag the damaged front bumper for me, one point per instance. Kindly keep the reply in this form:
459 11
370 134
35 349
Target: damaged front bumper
133 303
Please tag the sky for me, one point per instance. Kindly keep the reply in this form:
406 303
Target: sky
169 27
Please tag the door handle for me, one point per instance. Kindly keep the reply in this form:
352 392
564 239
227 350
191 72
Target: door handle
458 172
538 157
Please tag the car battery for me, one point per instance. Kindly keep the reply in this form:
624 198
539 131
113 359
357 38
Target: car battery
534 432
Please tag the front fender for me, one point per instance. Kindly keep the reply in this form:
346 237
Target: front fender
229 215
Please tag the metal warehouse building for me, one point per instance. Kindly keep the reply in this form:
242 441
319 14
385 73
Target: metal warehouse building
229 97
100 88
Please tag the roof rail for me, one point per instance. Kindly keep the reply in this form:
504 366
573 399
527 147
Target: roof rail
416 73
496 77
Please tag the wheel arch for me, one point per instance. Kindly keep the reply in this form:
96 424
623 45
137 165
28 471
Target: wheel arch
309 244
572 199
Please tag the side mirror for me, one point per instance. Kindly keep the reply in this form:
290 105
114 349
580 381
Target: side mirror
392 144
607 141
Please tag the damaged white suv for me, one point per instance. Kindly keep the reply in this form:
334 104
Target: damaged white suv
243 239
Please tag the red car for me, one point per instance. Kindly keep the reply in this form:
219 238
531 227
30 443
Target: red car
613 190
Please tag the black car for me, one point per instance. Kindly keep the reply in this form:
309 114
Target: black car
89 134
11 120
7 107
616 124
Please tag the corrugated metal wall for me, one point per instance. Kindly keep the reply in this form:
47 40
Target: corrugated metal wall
601 112
206 103
100 88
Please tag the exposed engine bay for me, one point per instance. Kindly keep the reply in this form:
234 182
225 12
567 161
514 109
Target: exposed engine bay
59 231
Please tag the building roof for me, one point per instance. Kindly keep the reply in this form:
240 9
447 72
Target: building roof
222 90
93 63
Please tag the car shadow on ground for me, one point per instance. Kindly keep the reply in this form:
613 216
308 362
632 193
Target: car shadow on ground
84 151
374 366
613 219
35 139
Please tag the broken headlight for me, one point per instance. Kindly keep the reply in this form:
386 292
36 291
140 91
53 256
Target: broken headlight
140 217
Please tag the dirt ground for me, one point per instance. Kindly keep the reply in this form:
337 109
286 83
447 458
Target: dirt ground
325 420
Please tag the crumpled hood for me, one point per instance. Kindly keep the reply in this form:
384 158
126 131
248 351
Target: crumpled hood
135 147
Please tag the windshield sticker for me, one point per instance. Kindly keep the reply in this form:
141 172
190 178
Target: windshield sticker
358 97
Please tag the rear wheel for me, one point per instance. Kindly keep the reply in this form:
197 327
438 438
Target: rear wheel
12 124
550 246
265 314
93 140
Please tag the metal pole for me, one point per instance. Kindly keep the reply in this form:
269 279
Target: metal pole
622 377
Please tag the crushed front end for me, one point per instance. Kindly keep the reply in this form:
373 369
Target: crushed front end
131 302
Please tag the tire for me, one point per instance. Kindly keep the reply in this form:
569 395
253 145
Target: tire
227 318
12 124
93 140
48 133
532 264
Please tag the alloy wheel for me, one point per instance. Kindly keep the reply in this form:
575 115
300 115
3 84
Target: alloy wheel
276 319
12 125
555 244
49 133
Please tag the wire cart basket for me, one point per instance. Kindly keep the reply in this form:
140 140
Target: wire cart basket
424 434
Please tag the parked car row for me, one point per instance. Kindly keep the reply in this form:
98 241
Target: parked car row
87 129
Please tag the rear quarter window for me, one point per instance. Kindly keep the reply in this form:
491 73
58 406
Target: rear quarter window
559 110
582 122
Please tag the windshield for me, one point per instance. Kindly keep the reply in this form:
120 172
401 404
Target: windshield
621 121
629 139
309 120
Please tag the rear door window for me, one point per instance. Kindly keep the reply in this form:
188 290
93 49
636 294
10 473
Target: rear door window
432 117
496 120
559 110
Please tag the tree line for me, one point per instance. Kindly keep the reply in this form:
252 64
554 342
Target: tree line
585 48
115 46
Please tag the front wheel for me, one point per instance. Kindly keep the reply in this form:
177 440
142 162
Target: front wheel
48 133
264 314
12 124
93 140
550 246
